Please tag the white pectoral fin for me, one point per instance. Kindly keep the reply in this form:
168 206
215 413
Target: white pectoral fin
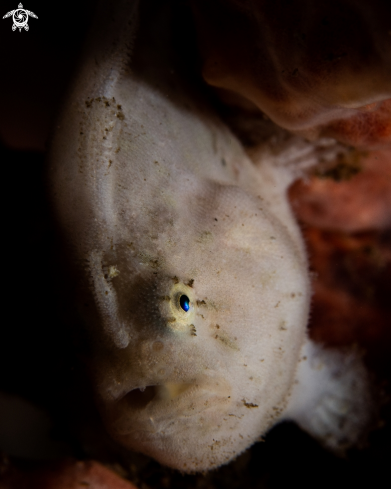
331 399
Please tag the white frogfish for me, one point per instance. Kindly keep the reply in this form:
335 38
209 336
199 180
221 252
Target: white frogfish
190 272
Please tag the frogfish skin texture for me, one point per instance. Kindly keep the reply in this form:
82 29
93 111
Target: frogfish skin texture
190 272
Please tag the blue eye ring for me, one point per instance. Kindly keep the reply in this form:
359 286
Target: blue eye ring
184 302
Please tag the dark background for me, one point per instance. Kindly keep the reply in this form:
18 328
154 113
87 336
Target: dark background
36 67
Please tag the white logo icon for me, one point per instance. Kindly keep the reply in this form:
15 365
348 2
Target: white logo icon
20 17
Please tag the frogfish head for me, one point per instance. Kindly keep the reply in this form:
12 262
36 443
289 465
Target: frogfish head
198 303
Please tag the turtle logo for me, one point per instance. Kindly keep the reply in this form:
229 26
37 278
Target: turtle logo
20 16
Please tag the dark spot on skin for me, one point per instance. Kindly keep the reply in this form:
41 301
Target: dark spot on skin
165 298
204 237
88 103
154 263
217 326
193 330
175 279
157 346
171 320
249 405
201 303
283 326
120 115
190 282
107 104
119 107
226 340
215 218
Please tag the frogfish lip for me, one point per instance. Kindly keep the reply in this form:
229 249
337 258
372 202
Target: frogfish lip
163 403
167 392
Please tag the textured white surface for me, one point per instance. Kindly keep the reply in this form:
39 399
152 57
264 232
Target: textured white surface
331 399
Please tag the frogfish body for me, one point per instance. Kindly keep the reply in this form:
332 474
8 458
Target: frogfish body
191 274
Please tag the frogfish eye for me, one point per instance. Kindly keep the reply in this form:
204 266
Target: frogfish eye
184 302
